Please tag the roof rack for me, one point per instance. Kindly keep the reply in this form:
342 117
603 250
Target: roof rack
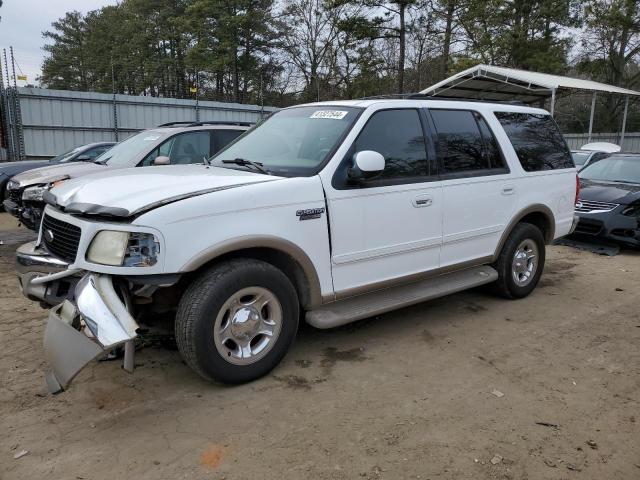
200 124
422 96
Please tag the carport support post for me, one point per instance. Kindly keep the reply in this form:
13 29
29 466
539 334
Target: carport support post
593 109
553 101
624 121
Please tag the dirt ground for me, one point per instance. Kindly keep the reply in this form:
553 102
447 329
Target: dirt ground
404 395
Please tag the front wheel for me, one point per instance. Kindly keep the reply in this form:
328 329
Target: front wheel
236 321
521 262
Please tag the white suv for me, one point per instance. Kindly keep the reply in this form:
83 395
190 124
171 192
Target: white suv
339 210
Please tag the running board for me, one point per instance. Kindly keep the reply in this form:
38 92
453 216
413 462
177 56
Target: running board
351 309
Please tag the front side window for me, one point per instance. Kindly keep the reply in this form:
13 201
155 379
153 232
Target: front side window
465 142
292 142
536 140
192 147
398 136
184 148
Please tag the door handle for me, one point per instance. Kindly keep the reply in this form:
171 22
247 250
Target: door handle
422 201
508 190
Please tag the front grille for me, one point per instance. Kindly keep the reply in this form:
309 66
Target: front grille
588 206
588 227
60 238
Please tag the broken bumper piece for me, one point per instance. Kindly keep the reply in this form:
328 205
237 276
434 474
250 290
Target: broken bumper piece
78 333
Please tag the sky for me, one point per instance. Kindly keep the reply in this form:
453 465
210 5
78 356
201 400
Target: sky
23 22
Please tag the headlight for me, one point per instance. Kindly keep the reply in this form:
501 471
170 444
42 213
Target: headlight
34 193
126 249
632 210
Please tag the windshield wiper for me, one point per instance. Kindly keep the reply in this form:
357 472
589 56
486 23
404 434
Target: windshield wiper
248 163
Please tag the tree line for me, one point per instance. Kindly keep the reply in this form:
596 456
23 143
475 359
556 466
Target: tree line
291 51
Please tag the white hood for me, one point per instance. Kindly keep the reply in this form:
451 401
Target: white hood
126 192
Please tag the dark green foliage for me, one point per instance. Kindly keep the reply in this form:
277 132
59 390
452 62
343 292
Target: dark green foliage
292 51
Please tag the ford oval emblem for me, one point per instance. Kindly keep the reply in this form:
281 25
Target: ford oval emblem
48 235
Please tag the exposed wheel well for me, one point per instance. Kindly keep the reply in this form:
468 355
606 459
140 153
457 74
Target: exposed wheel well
541 221
281 260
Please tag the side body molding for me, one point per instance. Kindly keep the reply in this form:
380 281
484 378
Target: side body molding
268 242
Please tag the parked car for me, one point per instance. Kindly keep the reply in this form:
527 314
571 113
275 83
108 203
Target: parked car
583 158
592 152
609 201
339 210
171 143
83 153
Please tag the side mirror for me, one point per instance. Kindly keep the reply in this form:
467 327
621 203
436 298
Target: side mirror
162 160
369 161
367 164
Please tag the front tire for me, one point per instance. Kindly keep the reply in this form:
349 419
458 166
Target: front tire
237 320
521 262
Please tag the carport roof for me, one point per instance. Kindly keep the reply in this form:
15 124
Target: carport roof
488 82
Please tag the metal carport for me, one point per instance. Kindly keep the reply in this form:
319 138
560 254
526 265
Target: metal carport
488 82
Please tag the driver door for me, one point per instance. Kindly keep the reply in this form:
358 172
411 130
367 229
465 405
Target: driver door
387 228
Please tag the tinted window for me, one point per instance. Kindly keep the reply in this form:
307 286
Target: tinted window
222 138
398 136
458 141
492 149
465 142
536 140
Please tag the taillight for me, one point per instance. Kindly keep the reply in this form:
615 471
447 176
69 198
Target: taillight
577 188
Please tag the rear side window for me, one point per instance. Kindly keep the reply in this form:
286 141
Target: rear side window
222 138
536 140
465 142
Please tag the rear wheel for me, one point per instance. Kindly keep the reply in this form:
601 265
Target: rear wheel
521 262
236 321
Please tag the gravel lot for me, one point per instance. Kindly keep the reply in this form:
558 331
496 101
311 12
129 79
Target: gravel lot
404 395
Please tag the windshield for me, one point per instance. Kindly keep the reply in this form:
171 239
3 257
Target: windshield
579 158
64 157
291 142
614 169
124 152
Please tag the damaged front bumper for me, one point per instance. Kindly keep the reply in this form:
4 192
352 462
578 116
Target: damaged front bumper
43 277
79 332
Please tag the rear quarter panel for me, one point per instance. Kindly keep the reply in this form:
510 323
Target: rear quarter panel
554 189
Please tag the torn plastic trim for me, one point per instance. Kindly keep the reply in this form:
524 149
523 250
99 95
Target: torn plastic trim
95 209
77 334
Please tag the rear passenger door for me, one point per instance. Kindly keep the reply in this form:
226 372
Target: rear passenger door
386 227
478 197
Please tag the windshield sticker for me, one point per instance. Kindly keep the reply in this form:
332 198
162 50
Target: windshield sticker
151 138
329 114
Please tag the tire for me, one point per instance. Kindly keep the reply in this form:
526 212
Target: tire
517 278
250 297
